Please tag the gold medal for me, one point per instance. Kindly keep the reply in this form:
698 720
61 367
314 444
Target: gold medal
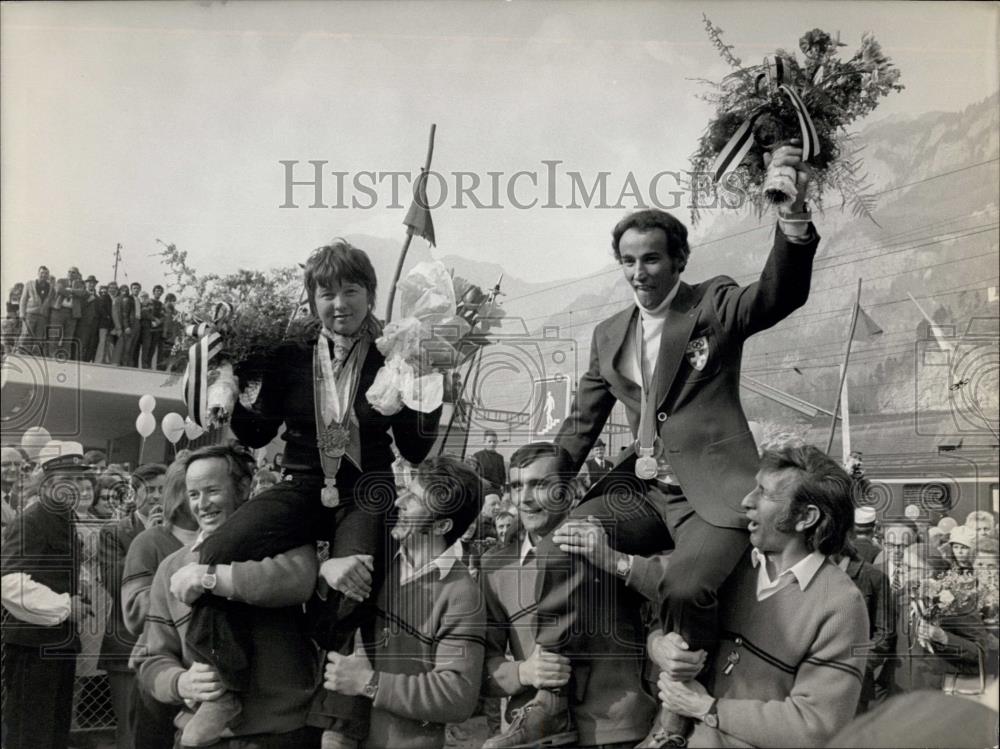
333 441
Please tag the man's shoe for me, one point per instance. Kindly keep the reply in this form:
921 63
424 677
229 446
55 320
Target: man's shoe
337 740
669 730
544 722
210 720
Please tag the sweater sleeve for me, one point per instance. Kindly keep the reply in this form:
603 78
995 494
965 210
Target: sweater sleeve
824 696
501 674
163 665
448 693
141 562
283 580
648 575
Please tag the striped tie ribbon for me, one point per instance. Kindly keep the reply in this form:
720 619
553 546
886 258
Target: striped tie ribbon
208 345
733 153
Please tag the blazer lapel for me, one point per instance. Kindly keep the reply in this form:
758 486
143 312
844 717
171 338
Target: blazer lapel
673 341
617 334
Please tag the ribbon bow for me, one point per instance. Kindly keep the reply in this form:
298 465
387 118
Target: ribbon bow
776 74
208 345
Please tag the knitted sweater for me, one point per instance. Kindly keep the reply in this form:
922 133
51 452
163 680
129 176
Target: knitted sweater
284 664
610 705
800 661
148 549
429 655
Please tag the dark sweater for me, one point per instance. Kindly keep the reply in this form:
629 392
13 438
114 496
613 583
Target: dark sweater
429 658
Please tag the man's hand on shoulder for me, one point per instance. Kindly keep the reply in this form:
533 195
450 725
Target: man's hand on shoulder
185 584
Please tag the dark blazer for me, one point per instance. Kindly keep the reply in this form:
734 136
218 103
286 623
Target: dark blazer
881 605
115 540
286 397
490 466
699 415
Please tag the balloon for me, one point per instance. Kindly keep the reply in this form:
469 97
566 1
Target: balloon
946 524
912 512
147 404
172 426
35 439
145 424
191 430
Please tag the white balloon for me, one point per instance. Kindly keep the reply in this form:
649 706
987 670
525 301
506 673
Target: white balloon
145 424
34 439
172 426
147 404
191 430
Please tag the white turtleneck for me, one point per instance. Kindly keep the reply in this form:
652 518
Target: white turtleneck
650 322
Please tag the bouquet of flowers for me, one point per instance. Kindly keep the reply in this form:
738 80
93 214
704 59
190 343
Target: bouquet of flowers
988 584
445 319
949 594
760 107
229 326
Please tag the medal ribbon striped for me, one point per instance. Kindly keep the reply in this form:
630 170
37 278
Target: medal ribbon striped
733 153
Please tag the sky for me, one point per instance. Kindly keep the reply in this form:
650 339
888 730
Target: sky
132 122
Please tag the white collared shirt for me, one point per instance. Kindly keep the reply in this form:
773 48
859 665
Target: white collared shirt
803 571
526 548
443 563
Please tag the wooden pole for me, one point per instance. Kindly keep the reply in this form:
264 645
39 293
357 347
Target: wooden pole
409 236
843 369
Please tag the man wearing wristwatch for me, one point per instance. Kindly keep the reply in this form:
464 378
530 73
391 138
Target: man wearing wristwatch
427 664
789 665
611 709
281 662
673 359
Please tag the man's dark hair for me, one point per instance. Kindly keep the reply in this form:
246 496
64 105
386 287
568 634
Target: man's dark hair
42 267
339 262
157 287
145 473
528 454
92 457
240 464
169 298
487 433
649 220
821 482
452 491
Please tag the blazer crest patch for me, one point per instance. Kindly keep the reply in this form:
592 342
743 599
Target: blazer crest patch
697 353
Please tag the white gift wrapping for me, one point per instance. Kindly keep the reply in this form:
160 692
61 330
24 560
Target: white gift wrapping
223 390
396 384
384 395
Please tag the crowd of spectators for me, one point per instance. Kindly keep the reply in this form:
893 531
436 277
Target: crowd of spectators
82 319
861 638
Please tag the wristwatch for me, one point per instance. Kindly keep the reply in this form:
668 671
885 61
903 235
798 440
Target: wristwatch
372 686
711 718
624 566
208 580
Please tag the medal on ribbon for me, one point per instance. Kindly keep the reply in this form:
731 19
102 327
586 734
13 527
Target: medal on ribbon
334 439
645 466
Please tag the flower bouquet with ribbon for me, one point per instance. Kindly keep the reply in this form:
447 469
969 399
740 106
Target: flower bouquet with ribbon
443 323
948 594
811 100
231 331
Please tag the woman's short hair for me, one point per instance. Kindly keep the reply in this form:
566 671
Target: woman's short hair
649 220
337 263
175 489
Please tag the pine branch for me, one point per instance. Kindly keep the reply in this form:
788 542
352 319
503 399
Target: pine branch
725 50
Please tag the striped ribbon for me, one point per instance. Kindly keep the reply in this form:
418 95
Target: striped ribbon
733 153
208 345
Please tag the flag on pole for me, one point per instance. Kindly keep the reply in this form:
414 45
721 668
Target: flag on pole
867 328
418 218
940 336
